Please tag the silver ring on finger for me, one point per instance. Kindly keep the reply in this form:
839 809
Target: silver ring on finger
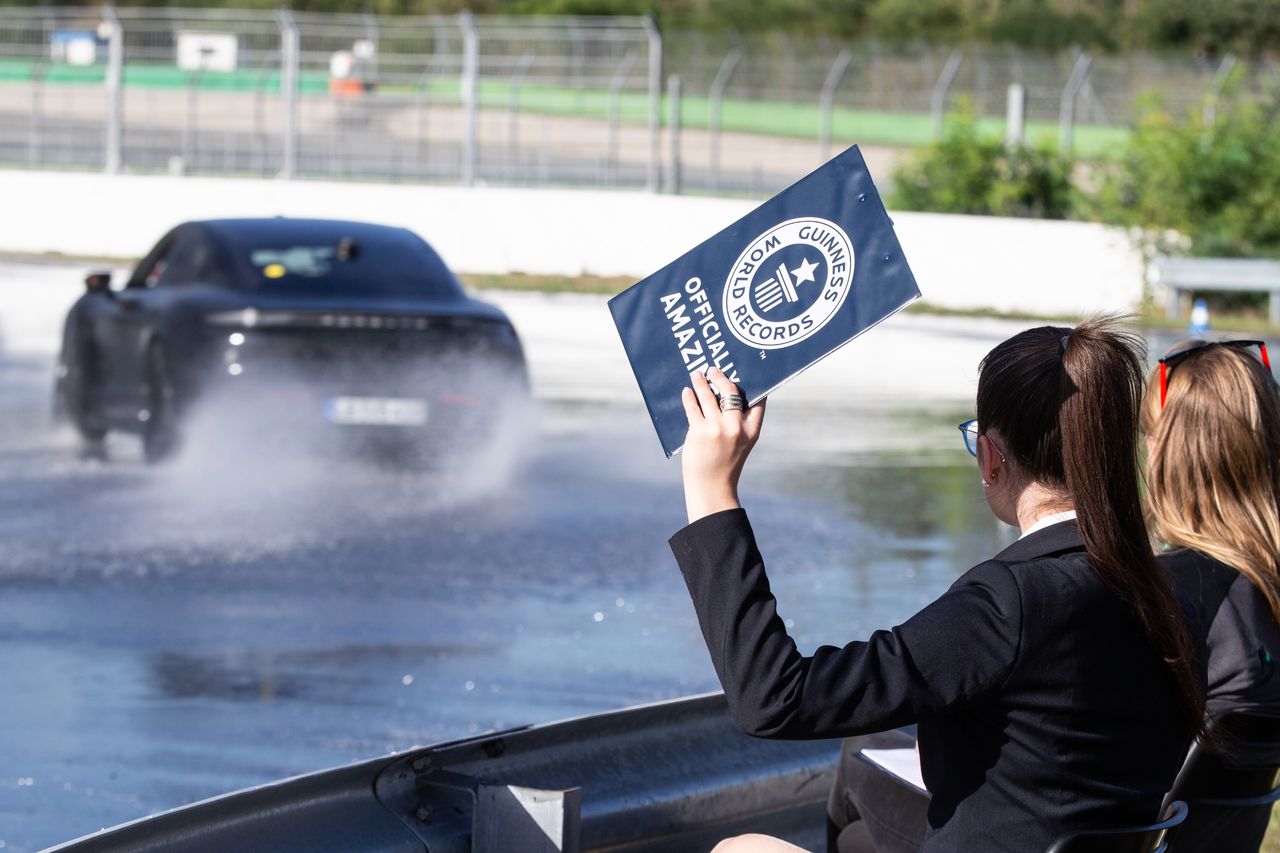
733 402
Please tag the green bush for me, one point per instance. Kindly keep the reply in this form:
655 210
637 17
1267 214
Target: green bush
903 20
1037 24
1243 26
967 171
1216 184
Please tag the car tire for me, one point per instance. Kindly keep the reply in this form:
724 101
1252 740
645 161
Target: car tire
71 391
159 432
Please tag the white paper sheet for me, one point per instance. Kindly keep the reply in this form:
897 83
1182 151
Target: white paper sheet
903 763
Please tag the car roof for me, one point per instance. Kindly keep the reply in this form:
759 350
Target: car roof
231 236
282 227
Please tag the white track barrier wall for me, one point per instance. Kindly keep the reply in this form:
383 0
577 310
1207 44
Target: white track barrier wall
1054 268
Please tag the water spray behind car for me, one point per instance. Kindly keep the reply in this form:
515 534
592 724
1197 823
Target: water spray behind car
260 444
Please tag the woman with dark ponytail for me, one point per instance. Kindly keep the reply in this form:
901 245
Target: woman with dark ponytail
1053 685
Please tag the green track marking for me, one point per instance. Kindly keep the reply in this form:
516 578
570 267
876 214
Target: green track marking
788 119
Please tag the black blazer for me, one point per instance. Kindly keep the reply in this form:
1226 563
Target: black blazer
1242 642
1042 708
1240 632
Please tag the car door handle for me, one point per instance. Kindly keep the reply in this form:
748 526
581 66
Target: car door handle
129 303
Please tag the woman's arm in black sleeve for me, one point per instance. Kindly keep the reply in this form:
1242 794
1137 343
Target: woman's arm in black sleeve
960 647
1244 645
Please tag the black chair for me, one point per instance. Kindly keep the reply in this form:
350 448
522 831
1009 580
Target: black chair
1133 839
1229 791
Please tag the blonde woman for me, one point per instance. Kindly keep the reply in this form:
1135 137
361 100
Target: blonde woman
1211 415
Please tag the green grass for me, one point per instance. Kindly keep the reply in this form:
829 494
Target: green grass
792 119
548 283
801 120
160 76
1271 844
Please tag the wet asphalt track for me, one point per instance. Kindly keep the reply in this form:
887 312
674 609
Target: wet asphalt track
169 634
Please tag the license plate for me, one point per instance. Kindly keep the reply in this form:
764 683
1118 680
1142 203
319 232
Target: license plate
376 411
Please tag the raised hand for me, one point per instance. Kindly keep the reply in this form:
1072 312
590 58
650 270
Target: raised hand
717 445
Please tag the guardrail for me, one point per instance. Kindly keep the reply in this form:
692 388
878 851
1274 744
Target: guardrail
674 776
1180 277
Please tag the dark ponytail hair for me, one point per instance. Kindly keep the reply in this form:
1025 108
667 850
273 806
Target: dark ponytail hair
1065 402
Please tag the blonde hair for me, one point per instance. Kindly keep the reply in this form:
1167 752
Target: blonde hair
1213 471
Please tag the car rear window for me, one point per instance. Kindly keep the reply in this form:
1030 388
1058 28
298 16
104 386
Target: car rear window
367 264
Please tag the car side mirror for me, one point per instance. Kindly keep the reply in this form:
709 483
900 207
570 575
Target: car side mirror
98 282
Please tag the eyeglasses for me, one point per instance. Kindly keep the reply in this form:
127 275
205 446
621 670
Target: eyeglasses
969 431
1170 361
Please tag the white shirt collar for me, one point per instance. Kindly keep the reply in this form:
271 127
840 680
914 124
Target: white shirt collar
1047 520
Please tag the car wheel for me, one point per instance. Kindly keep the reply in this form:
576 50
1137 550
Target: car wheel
159 432
71 391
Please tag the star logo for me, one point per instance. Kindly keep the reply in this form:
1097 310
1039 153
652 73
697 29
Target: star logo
788 283
804 272
783 286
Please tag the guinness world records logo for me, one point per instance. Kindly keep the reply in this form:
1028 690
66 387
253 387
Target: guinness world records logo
788 283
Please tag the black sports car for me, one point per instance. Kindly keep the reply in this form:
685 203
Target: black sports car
341 328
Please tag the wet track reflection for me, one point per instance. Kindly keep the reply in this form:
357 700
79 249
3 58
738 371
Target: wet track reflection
169 634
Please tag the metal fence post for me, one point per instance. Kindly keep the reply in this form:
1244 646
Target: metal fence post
1015 112
673 134
826 100
1067 106
113 84
374 36
1219 82
289 59
727 67
615 95
938 99
655 103
470 94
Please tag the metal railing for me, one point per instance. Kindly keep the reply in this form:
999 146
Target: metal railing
565 101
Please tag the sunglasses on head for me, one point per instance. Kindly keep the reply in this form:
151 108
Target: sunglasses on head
1173 359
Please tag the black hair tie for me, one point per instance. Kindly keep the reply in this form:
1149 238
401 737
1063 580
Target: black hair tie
1062 344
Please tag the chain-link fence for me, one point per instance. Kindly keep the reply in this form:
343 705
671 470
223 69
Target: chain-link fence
566 101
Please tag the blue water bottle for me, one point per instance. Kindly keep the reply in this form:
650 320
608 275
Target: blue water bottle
1199 318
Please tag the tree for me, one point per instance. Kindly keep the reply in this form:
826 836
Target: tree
1218 183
